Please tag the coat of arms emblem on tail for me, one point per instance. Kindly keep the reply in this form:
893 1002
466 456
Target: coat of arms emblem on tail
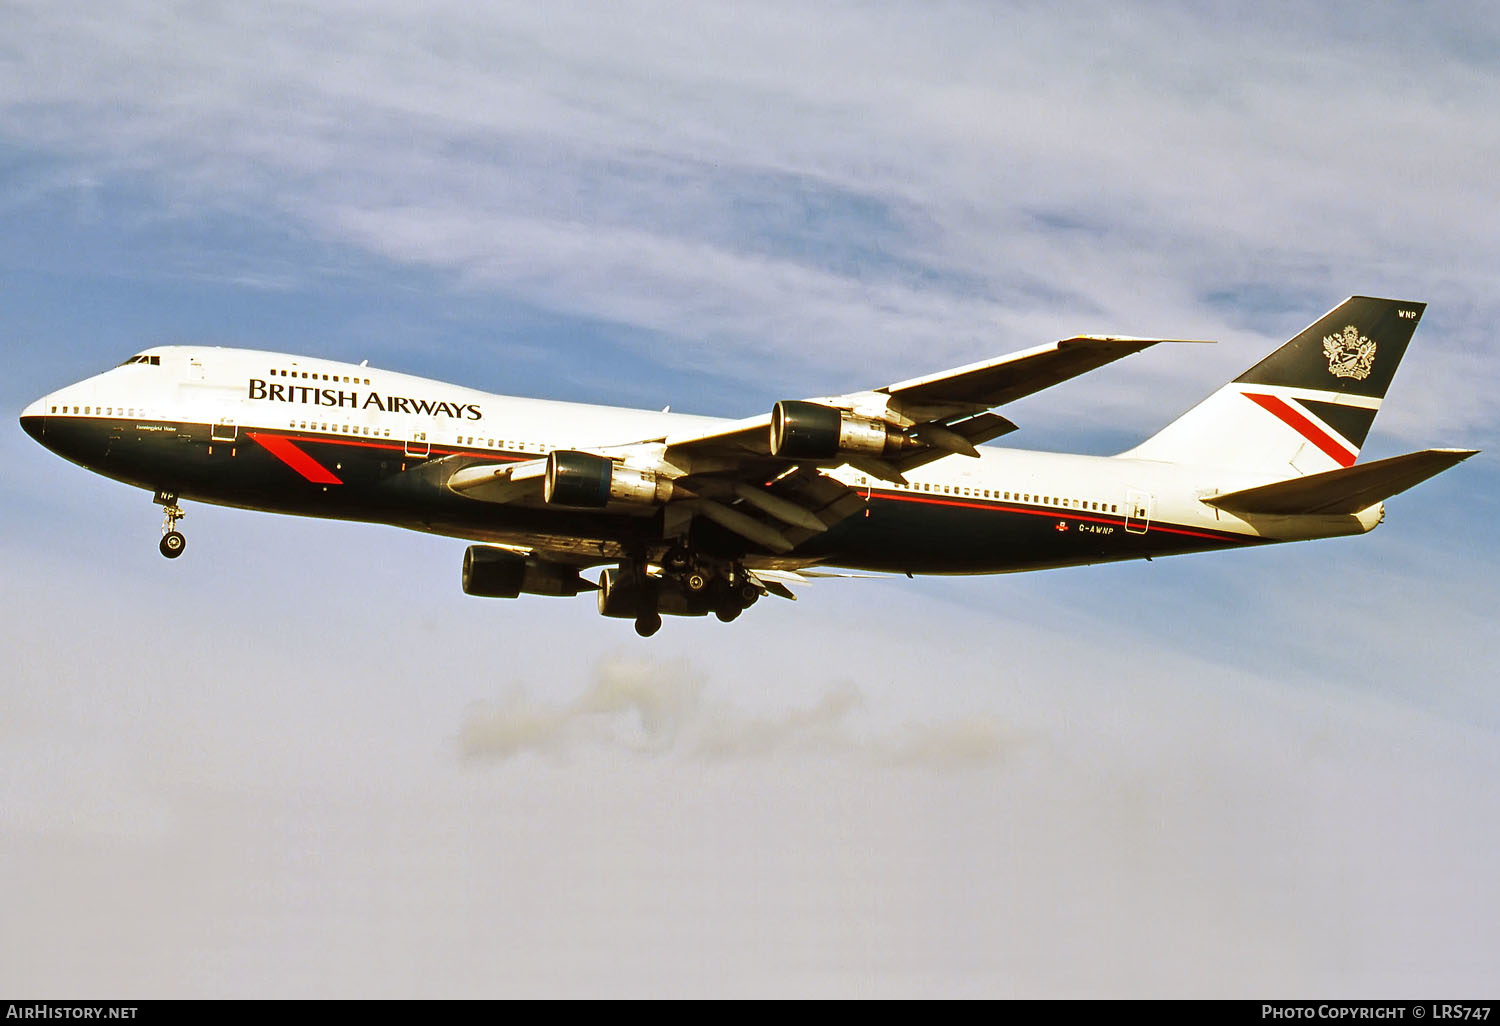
1350 354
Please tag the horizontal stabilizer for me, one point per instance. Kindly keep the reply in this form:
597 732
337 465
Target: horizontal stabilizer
1347 490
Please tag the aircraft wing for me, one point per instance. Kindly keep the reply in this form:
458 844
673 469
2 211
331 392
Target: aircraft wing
953 400
735 476
991 383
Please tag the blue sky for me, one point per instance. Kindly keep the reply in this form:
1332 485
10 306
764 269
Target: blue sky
299 761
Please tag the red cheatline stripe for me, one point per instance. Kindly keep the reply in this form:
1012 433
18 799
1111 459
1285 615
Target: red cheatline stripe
1306 428
1066 513
287 452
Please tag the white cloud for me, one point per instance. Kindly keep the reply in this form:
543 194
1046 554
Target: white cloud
836 188
1028 804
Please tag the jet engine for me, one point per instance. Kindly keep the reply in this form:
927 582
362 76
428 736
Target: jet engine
809 431
490 572
588 481
625 594
628 595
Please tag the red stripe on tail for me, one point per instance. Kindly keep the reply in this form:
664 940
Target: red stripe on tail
1304 427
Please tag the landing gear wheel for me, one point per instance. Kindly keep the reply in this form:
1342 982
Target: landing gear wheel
695 582
647 624
728 614
172 541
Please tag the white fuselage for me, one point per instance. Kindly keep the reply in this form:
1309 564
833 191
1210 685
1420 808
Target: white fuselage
240 393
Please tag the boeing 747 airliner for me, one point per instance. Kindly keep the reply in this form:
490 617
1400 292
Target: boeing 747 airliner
691 515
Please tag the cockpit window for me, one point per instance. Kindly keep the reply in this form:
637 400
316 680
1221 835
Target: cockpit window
154 361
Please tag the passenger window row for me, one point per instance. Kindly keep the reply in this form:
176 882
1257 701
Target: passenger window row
993 493
330 378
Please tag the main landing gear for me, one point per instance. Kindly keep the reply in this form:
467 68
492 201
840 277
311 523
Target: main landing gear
648 597
172 541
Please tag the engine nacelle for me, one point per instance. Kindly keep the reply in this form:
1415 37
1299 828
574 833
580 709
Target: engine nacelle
500 573
809 431
627 595
587 481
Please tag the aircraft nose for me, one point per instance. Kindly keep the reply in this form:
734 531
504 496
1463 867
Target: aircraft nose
34 419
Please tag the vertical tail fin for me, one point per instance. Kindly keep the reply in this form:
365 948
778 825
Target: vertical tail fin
1308 406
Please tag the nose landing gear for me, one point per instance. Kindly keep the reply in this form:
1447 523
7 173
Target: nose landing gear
172 544
172 541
